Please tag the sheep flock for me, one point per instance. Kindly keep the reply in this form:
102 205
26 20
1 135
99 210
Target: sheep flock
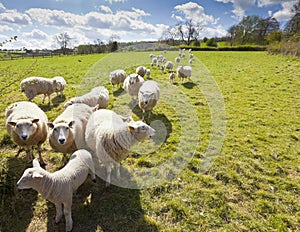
86 130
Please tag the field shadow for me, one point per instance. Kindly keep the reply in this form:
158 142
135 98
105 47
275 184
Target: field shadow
119 92
57 100
97 208
16 210
189 85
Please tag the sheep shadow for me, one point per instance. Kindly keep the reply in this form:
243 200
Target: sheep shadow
119 92
97 208
189 85
16 211
54 103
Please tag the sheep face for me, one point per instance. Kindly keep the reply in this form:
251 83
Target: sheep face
147 96
61 131
24 127
30 176
141 130
133 79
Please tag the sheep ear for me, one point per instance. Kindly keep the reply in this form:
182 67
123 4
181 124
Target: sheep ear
132 126
71 123
50 125
35 163
11 123
37 175
95 108
35 120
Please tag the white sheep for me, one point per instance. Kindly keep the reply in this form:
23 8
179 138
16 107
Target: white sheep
184 72
191 56
67 131
33 86
169 65
190 61
110 138
61 84
154 61
117 77
97 96
26 123
172 77
132 84
148 96
141 70
148 72
177 60
58 187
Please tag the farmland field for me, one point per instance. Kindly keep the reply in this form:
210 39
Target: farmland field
226 156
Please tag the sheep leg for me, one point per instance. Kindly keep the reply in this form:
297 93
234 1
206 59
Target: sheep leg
149 115
117 167
49 99
43 164
59 211
68 215
19 151
108 173
143 115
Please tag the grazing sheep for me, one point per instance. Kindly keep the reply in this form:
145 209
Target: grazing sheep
97 96
177 60
33 86
172 77
117 77
148 96
148 72
26 123
141 70
190 61
58 187
61 84
169 65
132 84
110 138
151 56
154 61
191 56
66 133
184 72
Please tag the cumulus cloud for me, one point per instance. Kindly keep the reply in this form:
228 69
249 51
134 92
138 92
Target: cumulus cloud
2 8
115 1
105 9
14 17
36 34
193 11
239 6
5 28
286 13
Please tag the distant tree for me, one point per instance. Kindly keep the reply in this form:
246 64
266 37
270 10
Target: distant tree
170 35
211 42
274 36
264 28
188 31
63 39
112 43
293 25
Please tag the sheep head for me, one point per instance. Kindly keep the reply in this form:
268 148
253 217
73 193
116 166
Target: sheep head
61 131
141 130
24 127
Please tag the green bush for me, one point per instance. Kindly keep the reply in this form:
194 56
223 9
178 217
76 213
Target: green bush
211 42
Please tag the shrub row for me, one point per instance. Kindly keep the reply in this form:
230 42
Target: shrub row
227 48
288 48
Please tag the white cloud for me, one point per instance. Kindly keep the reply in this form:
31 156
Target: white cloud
36 34
2 8
209 32
115 1
105 9
14 17
193 11
285 14
5 28
239 6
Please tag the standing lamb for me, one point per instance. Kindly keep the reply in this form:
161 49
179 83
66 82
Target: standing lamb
184 72
33 86
67 130
132 84
148 96
141 70
117 77
26 123
110 138
97 96
172 77
177 60
58 187
148 72
169 65
61 84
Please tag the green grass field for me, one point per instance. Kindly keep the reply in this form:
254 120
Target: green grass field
195 176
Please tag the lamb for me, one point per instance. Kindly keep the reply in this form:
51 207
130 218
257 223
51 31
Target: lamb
97 96
132 84
148 72
172 77
61 84
117 77
33 86
190 61
66 132
148 96
184 72
110 138
26 123
169 65
191 56
177 60
58 187
141 70
154 61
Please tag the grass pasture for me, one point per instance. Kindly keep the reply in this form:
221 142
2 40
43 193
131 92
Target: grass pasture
226 157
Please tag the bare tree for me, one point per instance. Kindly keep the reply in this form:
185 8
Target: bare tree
293 25
188 31
63 39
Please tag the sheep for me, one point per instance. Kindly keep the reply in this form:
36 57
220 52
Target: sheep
151 56
97 96
172 77
132 84
177 60
58 187
148 72
191 56
66 132
169 65
148 96
184 72
110 138
190 61
154 61
33 86
61 84
117 77
141 70
26 123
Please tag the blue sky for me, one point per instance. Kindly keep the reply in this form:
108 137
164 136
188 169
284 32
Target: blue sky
36 22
